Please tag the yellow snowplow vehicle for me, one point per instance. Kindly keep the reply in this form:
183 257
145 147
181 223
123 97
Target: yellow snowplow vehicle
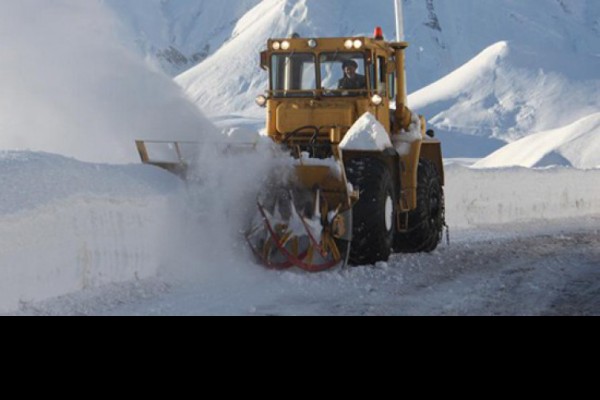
369 177
365 179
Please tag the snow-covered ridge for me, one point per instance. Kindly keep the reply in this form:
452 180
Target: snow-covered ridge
493 97
516 68
576 145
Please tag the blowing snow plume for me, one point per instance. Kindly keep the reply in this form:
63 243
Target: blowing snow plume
223 184
70 87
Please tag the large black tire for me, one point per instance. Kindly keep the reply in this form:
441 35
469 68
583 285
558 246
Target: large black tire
426 223
374 214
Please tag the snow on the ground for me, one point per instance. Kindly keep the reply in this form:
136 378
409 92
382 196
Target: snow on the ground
67 226
70 87
576 145
497 271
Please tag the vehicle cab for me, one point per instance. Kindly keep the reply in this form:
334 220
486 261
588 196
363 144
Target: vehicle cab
306 95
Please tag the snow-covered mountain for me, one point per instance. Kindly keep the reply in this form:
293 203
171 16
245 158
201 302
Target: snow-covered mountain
576 145
516 67
494 99
178 34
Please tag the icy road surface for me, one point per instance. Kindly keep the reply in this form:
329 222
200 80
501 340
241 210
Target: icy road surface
502 271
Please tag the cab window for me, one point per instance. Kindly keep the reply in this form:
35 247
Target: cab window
293 73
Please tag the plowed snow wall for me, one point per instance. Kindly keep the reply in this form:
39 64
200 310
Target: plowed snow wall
498 196
78 243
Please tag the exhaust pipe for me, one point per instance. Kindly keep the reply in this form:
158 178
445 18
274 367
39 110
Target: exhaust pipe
399 21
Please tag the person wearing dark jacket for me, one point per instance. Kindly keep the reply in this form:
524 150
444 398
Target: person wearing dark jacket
351 79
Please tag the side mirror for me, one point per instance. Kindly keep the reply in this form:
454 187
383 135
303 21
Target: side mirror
390 67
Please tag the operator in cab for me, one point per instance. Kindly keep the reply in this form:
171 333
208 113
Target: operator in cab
351 79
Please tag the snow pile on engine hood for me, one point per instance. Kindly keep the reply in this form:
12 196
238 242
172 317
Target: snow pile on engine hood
367 134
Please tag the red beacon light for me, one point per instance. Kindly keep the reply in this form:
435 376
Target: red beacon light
378 34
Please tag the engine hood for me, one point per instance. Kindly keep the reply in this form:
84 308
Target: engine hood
294 115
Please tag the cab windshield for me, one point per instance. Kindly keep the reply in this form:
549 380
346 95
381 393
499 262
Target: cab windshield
343 73
337 74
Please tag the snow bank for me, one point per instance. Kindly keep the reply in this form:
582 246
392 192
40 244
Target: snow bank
502 196
70 87
66 226
367 134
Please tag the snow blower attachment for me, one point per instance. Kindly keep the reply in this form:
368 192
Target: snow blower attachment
365 179
305 222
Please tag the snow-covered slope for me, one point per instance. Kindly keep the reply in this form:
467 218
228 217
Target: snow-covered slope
444 35
178 34
576 145
492 97
515 67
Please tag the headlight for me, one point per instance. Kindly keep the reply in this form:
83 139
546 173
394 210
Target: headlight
357 44
348 44
312 43
276 45
285 45
261 100
377 100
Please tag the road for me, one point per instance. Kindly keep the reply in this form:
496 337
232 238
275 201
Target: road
522 271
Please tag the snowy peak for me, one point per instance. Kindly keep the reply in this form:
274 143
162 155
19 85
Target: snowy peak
457 83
